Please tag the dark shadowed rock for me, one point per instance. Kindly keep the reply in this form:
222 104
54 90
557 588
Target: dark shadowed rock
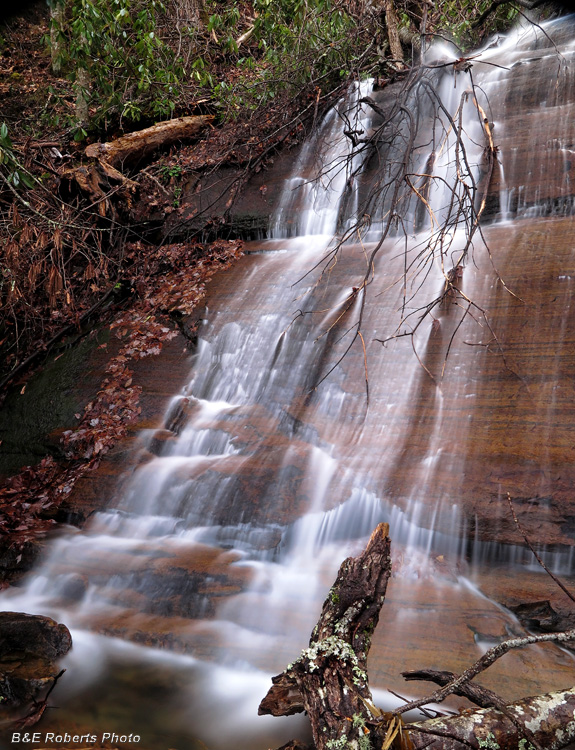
32 636
539 615
29 648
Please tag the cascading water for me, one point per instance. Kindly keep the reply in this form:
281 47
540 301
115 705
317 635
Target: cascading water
228 538
312 198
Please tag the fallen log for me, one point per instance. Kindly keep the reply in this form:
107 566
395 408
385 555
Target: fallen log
134 148
329 681
103 183
550 719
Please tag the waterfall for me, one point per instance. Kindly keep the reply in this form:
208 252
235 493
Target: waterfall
215 560
312 198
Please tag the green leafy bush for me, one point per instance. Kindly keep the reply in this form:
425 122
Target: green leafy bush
13 171
111 49
304 42
130 61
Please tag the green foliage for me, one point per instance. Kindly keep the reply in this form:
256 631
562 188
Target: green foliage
132 73
292 44
456 18
129 64
171 173
223 25
357 721
13 170
168 172
304 41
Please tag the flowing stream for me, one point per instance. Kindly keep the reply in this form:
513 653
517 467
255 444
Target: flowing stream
207 575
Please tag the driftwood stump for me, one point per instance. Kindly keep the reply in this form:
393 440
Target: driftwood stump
329 679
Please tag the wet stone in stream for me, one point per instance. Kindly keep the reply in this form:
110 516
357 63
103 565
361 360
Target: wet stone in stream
30 647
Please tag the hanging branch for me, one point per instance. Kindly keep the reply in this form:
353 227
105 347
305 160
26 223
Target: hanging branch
537 556
397 189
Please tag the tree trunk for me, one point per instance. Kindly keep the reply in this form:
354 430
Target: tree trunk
134 148
188 12
56 23
82 86
392 23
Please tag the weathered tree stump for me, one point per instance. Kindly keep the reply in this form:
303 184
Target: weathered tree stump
103 185
329 679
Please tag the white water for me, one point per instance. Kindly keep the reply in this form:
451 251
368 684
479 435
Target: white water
278 481
326 165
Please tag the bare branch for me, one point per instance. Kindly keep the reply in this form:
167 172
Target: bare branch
483 663
537 556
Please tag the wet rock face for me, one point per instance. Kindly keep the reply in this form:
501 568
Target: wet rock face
251 213
535 127
16 562
30 645
32 636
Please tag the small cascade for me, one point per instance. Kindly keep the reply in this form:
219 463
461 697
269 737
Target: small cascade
532 91
325 170
271 466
